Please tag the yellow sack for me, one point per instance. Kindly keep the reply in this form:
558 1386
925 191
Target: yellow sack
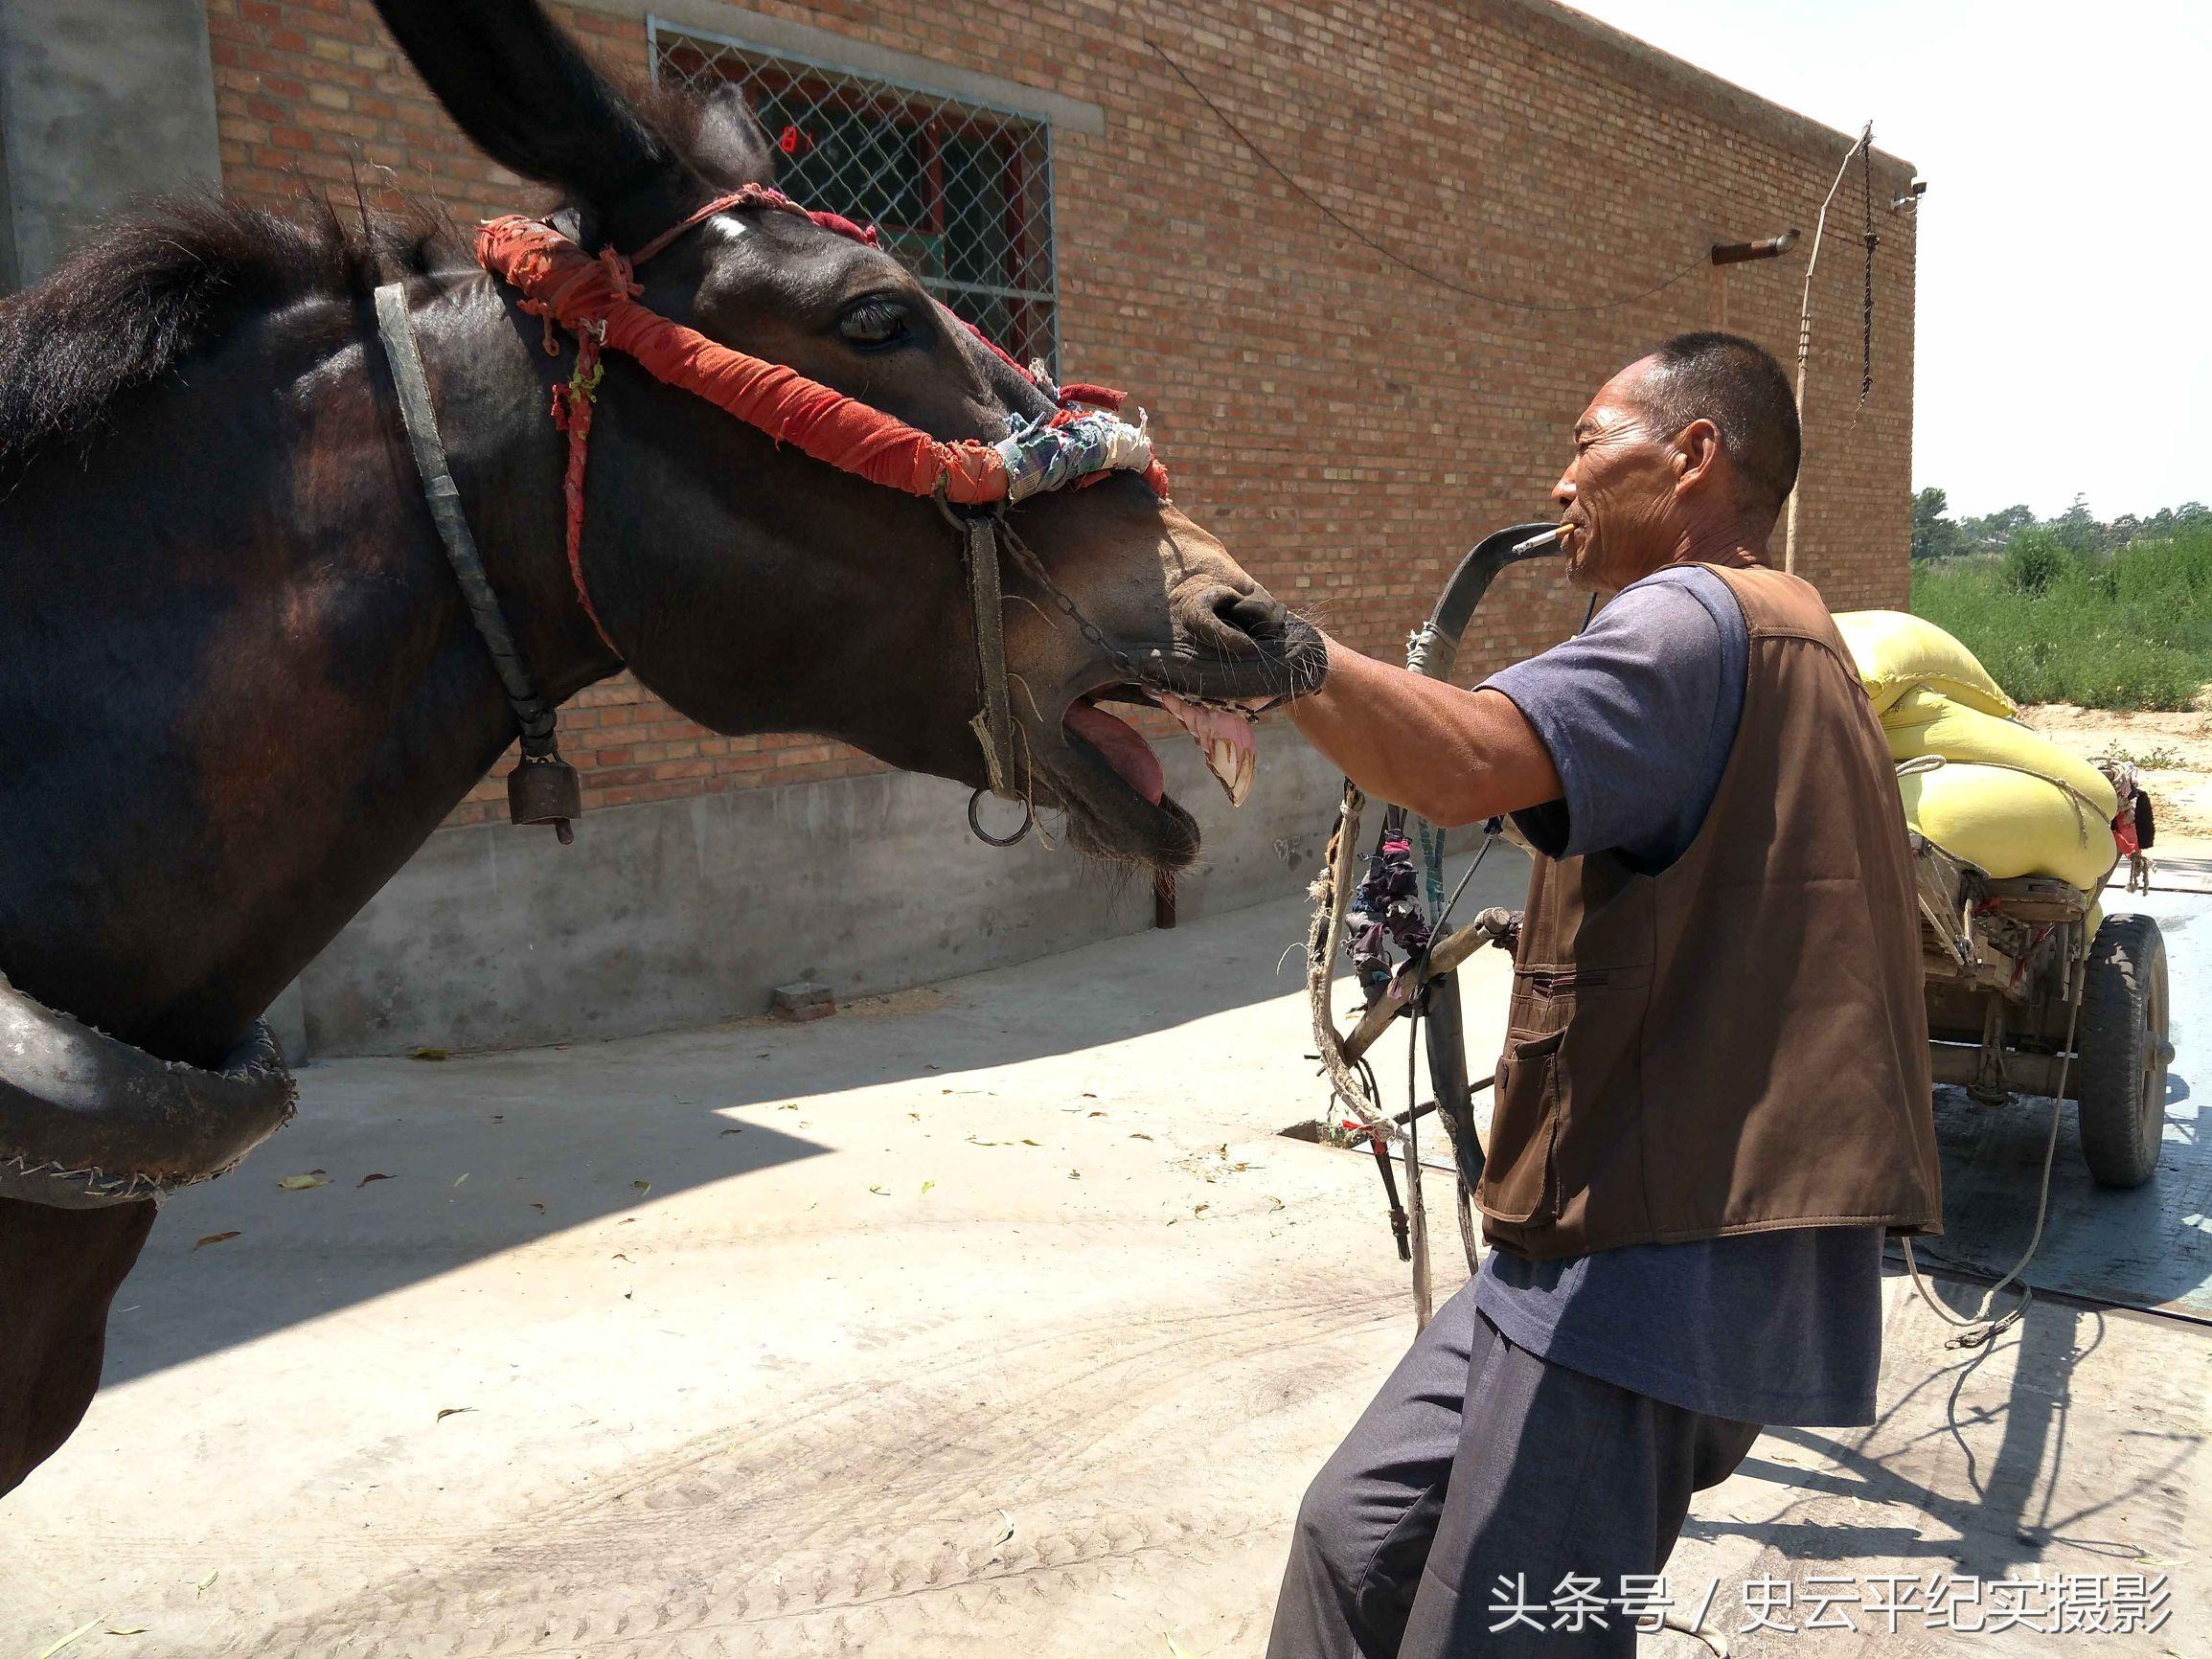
2009 822
1924 724
1896 652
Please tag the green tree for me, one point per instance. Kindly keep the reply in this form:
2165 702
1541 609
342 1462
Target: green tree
1991 532
2077 529
1933 535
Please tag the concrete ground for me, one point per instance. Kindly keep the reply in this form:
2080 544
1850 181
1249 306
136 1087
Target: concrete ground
992 1318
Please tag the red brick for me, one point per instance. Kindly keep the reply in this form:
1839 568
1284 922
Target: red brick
1345 426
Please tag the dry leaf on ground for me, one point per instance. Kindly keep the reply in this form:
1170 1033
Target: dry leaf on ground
84 1629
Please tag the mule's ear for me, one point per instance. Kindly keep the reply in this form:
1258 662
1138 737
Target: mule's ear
524 92
729 147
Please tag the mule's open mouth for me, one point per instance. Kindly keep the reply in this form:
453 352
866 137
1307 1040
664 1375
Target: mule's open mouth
1116 791
1102 772
1221 728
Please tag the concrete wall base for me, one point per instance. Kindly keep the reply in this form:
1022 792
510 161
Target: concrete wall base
686 913
103 102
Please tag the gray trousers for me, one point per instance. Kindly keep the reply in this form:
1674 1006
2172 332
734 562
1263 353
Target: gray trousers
1479 1460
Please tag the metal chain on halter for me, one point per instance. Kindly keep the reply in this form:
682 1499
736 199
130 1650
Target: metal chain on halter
1093 635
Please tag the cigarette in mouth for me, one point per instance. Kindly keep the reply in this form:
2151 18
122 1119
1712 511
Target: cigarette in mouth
1536 541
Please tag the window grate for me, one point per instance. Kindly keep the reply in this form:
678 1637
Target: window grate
960 193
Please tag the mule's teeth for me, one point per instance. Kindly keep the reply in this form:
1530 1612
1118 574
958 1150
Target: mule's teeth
1233 767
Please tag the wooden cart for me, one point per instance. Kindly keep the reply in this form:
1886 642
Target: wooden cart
2006 963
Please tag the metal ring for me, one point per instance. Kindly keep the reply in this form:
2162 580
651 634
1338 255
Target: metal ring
974 822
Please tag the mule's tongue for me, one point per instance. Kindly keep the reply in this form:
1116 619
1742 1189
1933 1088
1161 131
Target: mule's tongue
1225 738
1123 746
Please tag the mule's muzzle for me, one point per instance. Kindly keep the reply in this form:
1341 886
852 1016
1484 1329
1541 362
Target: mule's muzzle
1243 646
1245 619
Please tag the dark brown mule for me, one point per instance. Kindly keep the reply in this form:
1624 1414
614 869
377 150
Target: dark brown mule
238 687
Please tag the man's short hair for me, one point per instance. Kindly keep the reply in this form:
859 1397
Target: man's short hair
1736 384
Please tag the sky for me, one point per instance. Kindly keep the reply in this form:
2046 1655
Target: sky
2063 318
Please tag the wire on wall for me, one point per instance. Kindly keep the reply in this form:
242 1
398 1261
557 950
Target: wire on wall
1862 146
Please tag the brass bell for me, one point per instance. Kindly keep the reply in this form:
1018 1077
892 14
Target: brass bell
544 791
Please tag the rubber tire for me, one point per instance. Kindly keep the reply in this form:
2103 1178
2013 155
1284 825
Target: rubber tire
2123 1084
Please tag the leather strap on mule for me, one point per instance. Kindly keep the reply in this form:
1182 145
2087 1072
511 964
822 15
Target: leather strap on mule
543 788
994 723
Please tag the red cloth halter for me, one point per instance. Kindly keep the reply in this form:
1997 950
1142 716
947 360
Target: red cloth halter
595 299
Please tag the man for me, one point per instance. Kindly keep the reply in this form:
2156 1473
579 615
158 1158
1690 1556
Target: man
1714 1096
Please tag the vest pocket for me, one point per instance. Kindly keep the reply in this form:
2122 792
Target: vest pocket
1519 1183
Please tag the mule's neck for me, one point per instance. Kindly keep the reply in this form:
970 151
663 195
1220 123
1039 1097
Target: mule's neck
238 687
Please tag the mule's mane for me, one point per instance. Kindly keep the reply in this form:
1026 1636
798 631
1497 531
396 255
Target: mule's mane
138 299
127 306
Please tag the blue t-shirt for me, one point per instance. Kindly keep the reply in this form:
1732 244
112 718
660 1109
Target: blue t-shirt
1639 713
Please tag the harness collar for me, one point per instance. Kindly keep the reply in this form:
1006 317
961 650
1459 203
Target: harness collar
86 1120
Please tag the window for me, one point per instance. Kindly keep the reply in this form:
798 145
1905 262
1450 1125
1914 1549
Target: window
961 193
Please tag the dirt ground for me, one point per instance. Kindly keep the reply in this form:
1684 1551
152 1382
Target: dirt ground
997 1319
2171 753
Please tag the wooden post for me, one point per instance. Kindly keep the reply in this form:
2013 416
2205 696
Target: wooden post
1164 900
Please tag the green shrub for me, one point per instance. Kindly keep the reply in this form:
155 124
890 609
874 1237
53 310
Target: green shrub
2133 630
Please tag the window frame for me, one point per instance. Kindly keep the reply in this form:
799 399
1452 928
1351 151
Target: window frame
942 115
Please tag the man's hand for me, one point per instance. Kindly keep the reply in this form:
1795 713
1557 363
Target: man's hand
1454 757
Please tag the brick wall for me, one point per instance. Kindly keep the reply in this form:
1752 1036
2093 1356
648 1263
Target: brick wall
1345 425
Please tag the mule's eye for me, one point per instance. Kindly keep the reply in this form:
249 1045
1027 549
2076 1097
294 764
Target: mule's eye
876 324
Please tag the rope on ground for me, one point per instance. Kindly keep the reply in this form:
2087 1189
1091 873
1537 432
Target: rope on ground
1979 1330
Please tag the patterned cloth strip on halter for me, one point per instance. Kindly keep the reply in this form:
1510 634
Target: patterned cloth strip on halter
1044 455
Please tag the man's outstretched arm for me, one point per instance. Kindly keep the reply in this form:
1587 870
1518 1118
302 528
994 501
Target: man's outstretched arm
1454 757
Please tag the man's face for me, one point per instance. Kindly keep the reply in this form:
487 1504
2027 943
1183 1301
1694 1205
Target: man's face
1619 496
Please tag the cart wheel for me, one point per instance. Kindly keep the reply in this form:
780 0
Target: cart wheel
2123 1052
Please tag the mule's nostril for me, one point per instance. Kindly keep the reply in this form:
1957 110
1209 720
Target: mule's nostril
1257 614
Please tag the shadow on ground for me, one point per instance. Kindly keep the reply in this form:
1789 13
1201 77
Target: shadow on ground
2011 1507
2149 1248
486 1152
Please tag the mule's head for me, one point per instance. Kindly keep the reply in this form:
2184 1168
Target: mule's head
757 589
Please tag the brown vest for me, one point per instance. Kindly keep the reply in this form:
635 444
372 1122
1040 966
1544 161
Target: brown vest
1738 1043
